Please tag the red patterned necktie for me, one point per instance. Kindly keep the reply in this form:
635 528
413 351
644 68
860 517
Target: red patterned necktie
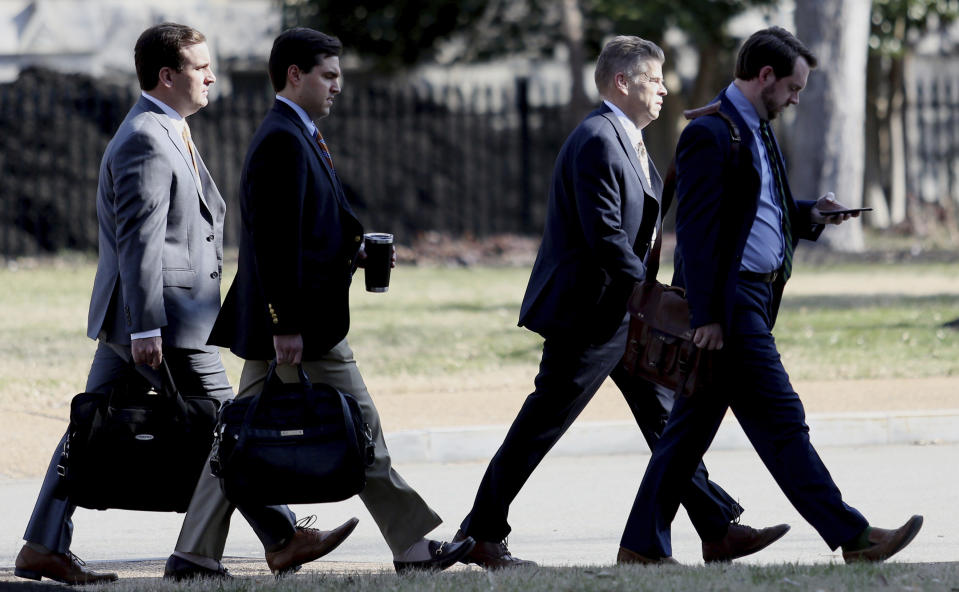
323 149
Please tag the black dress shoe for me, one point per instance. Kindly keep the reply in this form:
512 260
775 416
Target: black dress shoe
178 569
442 555
491 555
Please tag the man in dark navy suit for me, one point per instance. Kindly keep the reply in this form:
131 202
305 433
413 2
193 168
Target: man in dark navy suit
299 246
737 225
602 216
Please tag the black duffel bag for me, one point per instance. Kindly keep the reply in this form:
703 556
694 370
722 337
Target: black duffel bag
136 448
296 443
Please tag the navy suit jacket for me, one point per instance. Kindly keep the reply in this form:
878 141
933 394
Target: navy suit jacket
298 246
592 252
717 201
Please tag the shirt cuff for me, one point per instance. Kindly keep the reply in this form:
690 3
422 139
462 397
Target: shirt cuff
145 334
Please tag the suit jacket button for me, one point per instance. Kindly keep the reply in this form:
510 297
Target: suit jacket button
276 321
209 239
214 275
357 238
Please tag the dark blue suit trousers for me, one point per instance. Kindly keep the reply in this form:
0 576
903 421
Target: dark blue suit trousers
757 389
570 373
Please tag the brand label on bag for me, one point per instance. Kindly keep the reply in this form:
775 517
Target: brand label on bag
144 437
291 432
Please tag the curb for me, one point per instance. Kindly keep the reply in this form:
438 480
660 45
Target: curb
478 443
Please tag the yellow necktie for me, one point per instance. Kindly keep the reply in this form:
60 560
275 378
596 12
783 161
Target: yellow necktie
643 159
189 146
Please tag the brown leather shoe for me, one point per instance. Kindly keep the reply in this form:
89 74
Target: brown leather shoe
490 555
741 540
627 557
307 544
62 567
885 543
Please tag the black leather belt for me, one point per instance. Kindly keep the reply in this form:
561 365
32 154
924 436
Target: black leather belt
755 276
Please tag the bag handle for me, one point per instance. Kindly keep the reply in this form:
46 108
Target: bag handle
168 389
270 383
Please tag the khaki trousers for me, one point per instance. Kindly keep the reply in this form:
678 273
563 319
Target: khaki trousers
400 513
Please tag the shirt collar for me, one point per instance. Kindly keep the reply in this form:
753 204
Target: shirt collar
742 104
635 134
178 121
310 126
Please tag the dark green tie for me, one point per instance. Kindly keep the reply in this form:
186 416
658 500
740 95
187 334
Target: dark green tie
779 174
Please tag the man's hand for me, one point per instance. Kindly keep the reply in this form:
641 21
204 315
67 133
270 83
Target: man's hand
148 350
708 336
289 349
826 203
361 257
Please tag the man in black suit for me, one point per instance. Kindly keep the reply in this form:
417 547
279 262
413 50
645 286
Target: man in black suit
602 216
299 246
737 225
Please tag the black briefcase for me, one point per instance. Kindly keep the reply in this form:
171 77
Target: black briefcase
296 443
135 448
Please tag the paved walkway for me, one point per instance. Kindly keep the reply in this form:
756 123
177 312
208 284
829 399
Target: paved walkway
571 512
891 445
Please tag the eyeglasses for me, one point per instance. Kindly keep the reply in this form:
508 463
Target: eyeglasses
658 81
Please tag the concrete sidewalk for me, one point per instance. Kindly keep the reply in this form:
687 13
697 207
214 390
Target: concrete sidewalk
479 443
571 512
889 464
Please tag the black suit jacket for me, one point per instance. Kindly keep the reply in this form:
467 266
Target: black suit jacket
592 252
298 246
717 201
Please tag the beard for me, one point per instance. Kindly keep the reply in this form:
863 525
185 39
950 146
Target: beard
772 109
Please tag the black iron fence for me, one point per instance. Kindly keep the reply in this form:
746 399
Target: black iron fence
933 131
413 158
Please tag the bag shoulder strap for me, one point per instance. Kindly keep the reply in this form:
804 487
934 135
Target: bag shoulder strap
669 183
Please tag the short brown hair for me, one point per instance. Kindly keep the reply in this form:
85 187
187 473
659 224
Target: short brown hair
624 53
774 47
303 47
159 47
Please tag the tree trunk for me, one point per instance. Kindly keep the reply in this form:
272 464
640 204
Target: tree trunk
573 35
712 75
897 142
828 137
876 120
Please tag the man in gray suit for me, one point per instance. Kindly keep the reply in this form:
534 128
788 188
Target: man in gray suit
157 287
602 216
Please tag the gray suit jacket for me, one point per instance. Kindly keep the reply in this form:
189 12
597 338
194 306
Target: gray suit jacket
161 237
599 219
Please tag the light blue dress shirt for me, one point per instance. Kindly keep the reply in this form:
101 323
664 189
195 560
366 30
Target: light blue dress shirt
764 247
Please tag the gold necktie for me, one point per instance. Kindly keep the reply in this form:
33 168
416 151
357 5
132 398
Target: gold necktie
189 146
643 158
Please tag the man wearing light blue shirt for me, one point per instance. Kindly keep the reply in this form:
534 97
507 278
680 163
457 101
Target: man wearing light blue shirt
737 225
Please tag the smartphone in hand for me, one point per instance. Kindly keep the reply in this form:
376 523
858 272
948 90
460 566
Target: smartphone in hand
847 211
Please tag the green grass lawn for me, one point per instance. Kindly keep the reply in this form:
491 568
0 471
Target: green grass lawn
456 323
719 578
